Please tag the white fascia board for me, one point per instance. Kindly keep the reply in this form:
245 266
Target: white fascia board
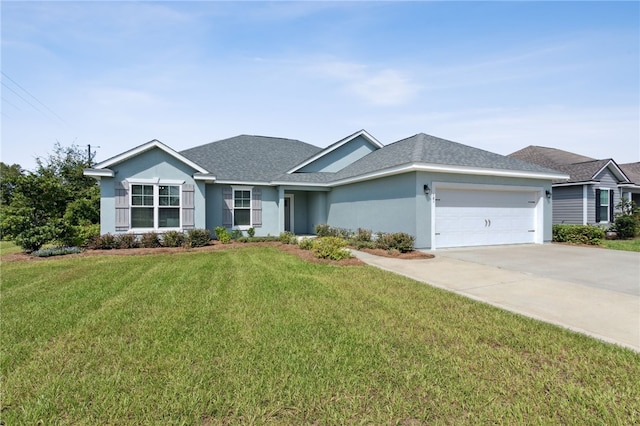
586 182
439 168
337 145
243 183
98 173
204 177
146 147
629 185
300 184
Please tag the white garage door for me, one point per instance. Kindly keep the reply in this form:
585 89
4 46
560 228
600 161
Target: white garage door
469 217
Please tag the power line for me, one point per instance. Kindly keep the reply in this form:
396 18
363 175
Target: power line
34 97
11 103
22 97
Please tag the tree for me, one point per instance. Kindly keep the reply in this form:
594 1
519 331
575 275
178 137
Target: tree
626 223
51 204
8 177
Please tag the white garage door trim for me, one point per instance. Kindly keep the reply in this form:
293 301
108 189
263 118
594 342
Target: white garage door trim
535 194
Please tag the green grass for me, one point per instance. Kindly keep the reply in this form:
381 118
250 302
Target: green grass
8 247
254 335
627 245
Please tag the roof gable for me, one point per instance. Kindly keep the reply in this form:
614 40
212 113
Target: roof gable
154 144
339 155
632 171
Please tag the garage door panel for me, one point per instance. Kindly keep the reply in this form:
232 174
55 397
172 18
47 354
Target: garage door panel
484 217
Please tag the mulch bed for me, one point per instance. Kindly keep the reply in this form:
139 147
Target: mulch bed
295 250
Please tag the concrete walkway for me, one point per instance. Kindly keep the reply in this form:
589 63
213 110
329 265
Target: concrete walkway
611 316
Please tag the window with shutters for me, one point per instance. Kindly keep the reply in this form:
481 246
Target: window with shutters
604 205
241 207
155 206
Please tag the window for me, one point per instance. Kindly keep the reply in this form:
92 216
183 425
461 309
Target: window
604 205
155 206
241 207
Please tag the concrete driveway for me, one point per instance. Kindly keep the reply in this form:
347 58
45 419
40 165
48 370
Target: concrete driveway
589 290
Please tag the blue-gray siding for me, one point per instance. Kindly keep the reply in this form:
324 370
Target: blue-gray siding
567 205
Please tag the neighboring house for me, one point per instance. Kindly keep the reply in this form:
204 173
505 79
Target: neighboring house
444 193
593 189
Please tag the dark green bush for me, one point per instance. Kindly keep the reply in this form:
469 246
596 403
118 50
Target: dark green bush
330 248
150 240
578 234
173 239
251 232
363 235
223 235
126 241
399 241
626 226
198 237
102 242
235 234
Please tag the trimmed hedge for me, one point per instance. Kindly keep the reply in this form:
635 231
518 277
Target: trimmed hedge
578 234
333 248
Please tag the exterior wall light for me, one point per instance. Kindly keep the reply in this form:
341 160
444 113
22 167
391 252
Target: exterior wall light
426 189
547 193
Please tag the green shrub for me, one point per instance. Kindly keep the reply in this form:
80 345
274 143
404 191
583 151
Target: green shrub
306 243
198 237
363 235
399 241
83 234
626 226
325 230
235 234
56 251
251 232
126 241
330 248
173 239
287 238
359 245
223 235
150 240
102 242
578 234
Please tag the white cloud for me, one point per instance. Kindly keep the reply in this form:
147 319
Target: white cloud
377 87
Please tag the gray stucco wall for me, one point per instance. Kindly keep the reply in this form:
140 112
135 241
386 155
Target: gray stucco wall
385 205
153 164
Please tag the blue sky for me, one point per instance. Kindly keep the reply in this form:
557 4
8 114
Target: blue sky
495 75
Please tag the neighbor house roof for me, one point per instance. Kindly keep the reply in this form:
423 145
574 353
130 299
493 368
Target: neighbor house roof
632 170
247 158
579 167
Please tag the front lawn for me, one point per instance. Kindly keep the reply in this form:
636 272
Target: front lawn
255 335
627 245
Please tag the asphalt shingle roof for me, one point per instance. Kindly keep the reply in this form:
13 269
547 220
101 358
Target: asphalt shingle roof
423 148
579 167
263 159
632 170
250 158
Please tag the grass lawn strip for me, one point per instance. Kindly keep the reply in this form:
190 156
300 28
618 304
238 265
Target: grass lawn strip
255 335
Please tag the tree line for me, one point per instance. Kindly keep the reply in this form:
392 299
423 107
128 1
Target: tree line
54 204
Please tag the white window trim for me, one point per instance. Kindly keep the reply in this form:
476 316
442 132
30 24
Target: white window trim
156 183
235 188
